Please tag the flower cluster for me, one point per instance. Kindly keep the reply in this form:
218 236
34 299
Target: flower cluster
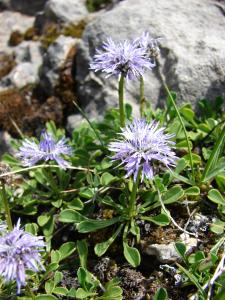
19 251
141 144
129 58
48 149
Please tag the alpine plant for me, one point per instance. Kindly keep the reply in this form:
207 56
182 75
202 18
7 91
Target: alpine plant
19 251
47 149
123 58
140 146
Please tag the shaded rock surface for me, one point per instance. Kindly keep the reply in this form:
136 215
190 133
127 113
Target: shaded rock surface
54 59
192 50
23 6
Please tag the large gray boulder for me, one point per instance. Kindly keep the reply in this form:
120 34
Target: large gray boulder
69 11
192 51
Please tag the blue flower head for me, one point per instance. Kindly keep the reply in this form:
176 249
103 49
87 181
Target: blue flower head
47 149
19 251
142 144
126 58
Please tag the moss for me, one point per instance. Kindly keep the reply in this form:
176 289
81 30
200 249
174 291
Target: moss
15 38
7 63
51 32
31 34
95 5
75 30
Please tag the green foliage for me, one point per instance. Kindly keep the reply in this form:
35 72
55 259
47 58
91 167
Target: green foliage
88 205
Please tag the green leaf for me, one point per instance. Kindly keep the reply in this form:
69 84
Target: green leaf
161 219
181 250
217 227
214 171
172 195
76 204
60 291
180 166
107 178
71 216
193 279
220 295
214 157
82 249
66 249
82 294
220 180
101 248
131 254
45 297
215 196
192 191
87 193
195 157
161 294
55 256
43 219
31 228
58 276
49 286
112 291
93 225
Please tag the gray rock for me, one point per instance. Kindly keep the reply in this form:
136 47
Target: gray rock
11 21
166 253
29 59
22 75
192 50
29 51
70 11
53 60
5 146
23 6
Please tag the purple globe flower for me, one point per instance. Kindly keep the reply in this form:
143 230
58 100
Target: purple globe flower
48 149
19 251
140 146
126 58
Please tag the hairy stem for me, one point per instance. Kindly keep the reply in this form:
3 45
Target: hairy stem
121 100
132 204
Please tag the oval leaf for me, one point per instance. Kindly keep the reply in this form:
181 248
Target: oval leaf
215 196
132 255
93 225
71 216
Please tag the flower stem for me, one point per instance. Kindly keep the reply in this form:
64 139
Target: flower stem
132 204
142 96
179 117
6 206
121 100
184 129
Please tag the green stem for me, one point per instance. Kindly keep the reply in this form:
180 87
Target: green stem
43 166
89 122
179 117
184 129
142 96
121 100
6 206
214 155
132 204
